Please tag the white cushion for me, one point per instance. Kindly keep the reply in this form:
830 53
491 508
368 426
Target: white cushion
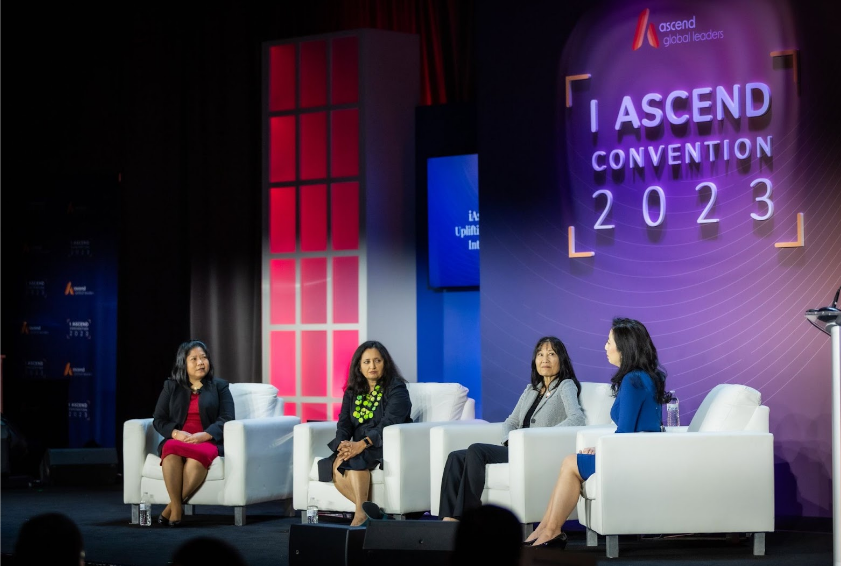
596 402
254 400
727 407
434 402
497 476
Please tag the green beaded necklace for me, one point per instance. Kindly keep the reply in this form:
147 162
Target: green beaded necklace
367 404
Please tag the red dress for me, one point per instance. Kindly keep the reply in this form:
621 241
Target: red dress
204 452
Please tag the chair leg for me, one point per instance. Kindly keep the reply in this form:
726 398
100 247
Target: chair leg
398 517
239 515
759 544
592 537
189 509
135 514
612 546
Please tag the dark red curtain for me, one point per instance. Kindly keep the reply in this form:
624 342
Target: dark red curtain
445 28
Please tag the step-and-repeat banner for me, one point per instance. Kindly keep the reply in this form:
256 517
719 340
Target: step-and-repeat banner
60 324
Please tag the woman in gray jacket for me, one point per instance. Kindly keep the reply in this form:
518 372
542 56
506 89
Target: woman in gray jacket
551 399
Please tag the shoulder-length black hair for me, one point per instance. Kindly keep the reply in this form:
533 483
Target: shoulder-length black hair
566 371
357 383
637 352
179 368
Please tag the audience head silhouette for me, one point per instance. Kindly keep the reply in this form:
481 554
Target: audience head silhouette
201 551
49 538
488 535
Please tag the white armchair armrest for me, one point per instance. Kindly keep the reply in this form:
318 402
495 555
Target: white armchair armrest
444 438
309 442
534 459
257 453
405 463
588 436
139 439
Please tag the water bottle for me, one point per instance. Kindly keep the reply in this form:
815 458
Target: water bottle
145 510
312 512
673 411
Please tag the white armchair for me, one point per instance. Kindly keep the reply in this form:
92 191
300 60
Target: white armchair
257 465
402 485
714 476
525 483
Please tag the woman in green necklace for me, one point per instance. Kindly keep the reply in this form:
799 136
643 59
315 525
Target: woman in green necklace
375 397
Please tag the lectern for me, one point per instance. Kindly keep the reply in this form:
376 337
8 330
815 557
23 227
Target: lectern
828 319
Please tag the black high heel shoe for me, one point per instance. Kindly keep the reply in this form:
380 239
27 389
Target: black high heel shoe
559 542
528 542
176 523
373 511
163 520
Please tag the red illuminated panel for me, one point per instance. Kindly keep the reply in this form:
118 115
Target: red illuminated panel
314 412
313 218
314 290
314 145
282 275
289 409
344 344
282 220
344 213
313 74
345 67
346 289
281 77
282 363
282 149
344 143
314 363
337 410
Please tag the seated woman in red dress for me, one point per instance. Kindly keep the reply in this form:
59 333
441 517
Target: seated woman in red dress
191 413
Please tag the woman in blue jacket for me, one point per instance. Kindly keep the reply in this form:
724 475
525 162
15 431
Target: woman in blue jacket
639 386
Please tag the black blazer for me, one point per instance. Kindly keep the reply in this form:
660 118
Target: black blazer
216 407
395 408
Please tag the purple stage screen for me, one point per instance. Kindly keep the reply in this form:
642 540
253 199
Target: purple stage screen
690 182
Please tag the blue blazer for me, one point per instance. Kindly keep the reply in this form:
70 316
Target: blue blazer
216 407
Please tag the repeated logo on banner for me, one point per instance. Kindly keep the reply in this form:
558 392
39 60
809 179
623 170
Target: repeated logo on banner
63 341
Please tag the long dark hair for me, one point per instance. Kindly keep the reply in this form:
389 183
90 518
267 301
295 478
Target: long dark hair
357 383
637 352
566 371
179 368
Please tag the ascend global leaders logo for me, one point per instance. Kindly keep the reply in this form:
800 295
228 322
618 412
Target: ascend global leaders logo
676 32
76 290
645 30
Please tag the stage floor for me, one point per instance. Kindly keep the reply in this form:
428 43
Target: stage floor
109 538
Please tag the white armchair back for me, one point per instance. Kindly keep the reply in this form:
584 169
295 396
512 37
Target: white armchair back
256 400
730 406
432 402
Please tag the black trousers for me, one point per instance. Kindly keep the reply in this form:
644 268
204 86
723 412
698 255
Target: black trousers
464 477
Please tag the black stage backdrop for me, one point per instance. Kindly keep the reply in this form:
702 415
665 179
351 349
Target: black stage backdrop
167 99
